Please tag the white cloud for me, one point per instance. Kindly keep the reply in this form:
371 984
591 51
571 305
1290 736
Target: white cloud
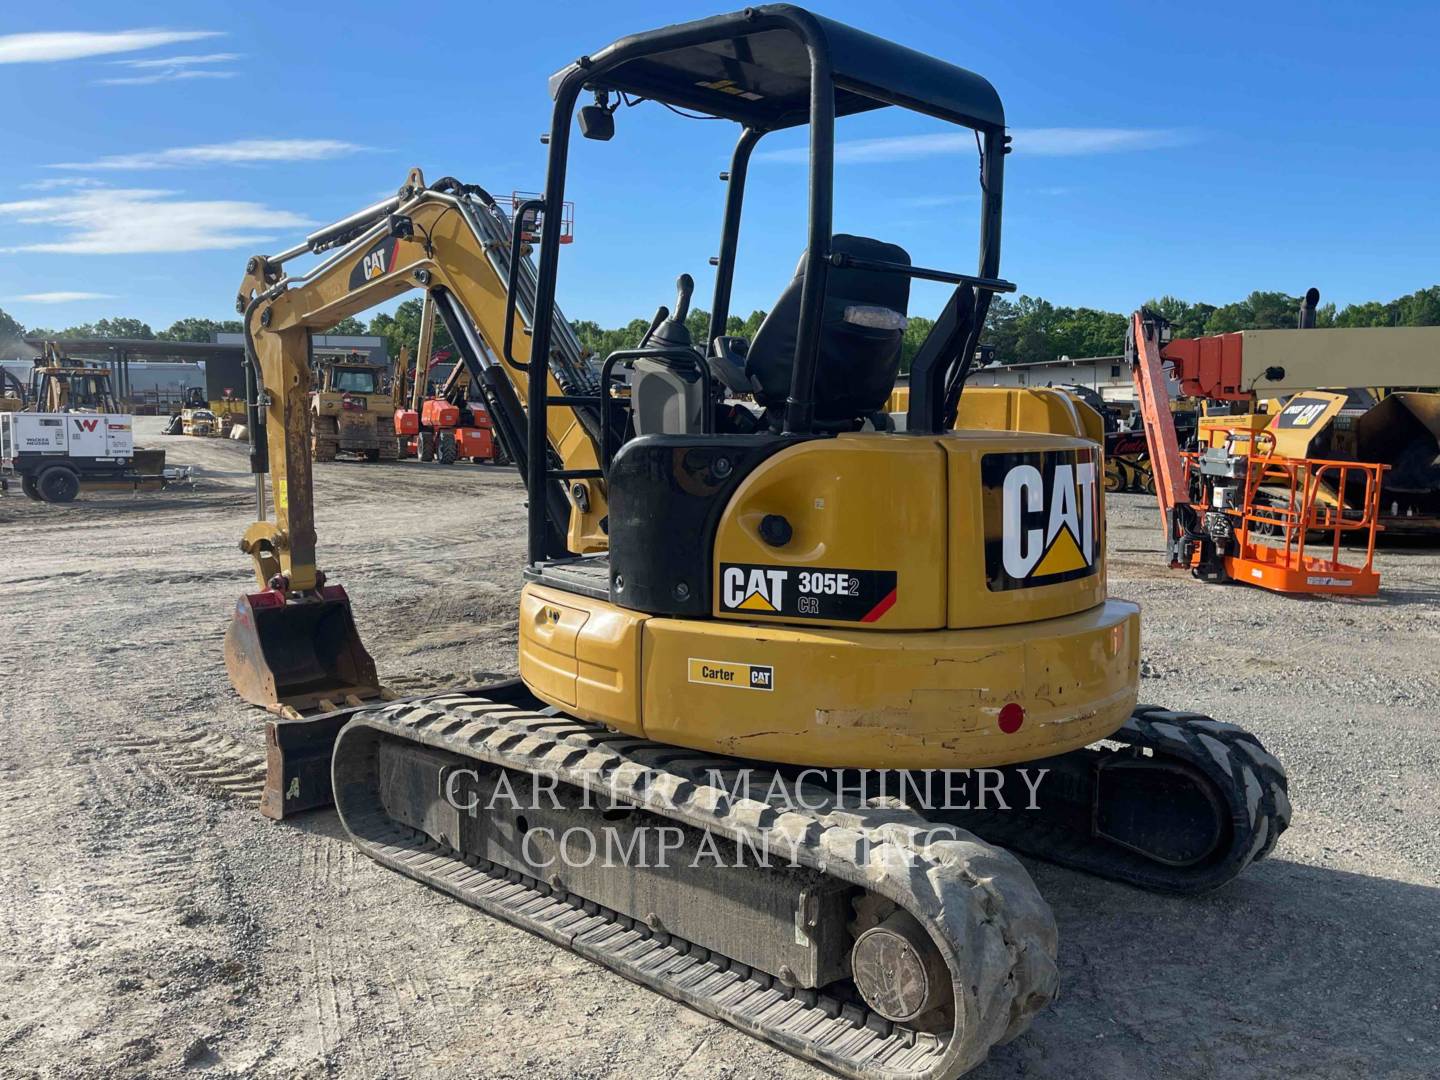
239 152
62 297
173 69
180 61
127 221
37 48
924 202
1045 142
167 76
52 182
1068 142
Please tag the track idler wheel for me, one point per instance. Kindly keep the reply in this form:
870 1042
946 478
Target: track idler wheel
899 971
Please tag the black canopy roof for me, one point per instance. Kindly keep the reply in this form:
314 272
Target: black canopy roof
754 67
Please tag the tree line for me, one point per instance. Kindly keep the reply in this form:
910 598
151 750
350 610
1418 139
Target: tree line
1030 329
1024 330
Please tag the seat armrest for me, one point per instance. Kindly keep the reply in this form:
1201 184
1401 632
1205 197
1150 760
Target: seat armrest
727 363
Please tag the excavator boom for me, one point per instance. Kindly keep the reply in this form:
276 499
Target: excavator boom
292 646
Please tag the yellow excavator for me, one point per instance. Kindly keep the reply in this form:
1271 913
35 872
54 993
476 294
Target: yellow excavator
769 632
60 384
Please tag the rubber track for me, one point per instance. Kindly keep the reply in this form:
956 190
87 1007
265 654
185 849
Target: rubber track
1250 780
977 902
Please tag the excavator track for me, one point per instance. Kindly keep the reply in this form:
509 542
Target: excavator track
978 913
1209 801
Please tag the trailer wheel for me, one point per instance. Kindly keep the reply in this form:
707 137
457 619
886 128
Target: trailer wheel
427 446
57 484
27 485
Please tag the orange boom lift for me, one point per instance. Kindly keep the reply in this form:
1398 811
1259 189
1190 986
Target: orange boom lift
1247 505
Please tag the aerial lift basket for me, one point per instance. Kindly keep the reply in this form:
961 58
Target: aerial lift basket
1288 528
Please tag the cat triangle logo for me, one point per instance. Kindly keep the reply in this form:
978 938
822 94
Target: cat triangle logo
756 602
1064 555
1050 524
753 588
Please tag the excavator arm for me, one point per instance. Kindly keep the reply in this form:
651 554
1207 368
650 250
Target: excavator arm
294 642
453 244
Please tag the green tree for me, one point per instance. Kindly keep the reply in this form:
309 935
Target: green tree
698 323
199 329
1088 332
916 331
118 327
1187 320
351 326
1371 313
1258 311
403 328
1420 308
11 335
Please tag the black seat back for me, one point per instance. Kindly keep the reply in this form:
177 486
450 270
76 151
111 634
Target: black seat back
857 365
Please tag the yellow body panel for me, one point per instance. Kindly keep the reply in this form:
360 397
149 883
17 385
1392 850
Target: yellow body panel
993 606
975 514
1035 409
867 502
583 654
1017 408
916 506
1238 430
835 698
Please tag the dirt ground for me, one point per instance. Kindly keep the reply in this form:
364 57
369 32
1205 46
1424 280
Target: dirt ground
150 920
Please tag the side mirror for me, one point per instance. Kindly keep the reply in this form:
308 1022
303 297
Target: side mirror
597 122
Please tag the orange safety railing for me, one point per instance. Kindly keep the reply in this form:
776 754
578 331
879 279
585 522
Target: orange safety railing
565 219
1284 503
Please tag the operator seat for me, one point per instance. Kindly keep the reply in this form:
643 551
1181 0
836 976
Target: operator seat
860 335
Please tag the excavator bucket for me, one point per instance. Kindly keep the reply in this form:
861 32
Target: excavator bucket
302 653
303 661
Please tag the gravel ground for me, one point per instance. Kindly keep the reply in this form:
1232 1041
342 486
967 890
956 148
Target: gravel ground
150 921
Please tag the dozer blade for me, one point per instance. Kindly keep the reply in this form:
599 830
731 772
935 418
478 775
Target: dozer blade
293 658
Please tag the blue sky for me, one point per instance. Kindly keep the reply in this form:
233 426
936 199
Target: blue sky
1197 150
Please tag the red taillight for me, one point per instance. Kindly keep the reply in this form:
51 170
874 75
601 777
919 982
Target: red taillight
1011 717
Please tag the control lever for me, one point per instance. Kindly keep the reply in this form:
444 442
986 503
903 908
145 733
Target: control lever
684 288
661 314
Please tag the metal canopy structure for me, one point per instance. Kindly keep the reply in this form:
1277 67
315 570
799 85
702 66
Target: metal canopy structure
759 72
766 68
